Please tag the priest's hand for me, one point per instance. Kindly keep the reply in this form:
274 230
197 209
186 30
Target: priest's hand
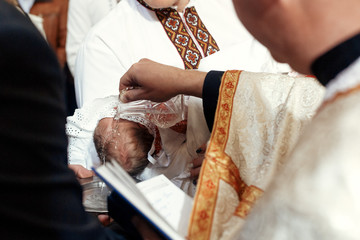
158 82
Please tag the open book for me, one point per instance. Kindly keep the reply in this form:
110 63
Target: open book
166 207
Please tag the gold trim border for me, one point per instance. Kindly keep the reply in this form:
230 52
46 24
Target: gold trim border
217 164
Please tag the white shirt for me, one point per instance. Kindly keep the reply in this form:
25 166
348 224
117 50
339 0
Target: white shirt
26 5
82 15
131 32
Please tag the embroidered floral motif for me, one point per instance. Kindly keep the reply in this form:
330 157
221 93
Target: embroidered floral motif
197 27
173 24
210 185
176 31
178 34
192 19
217 165
203 215
183 40
203 35
211 50
192 58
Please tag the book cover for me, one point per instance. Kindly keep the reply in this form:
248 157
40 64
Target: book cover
157 200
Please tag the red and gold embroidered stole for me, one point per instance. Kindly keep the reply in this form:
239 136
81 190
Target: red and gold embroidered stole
219 166
179 32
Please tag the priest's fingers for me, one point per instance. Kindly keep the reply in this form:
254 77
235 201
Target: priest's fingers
129 95
142 93
149 80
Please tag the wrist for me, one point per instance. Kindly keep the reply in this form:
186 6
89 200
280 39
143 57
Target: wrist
192 82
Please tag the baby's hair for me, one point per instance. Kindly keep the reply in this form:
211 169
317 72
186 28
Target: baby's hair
135 140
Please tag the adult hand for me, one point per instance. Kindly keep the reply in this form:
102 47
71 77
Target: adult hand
158 82
80 171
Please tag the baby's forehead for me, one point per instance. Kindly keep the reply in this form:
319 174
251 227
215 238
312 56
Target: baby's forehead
112 125
104 125
106 121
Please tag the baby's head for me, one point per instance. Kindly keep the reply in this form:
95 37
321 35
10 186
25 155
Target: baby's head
125 141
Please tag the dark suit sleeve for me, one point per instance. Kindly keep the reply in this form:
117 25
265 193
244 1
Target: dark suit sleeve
40 197
210 96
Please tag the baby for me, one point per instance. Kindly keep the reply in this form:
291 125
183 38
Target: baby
125 141
98 133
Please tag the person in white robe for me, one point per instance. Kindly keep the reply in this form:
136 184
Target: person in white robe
200 36
82 16
315 194
191 43
256 122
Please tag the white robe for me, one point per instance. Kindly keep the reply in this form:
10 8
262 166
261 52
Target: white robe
82 16
131 32
317 195
259 118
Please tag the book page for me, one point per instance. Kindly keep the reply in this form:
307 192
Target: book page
119 180
126 179
169 201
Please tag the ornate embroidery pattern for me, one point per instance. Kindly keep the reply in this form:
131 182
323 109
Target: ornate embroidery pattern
219 166
250 195
180 37
176 31
206 41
